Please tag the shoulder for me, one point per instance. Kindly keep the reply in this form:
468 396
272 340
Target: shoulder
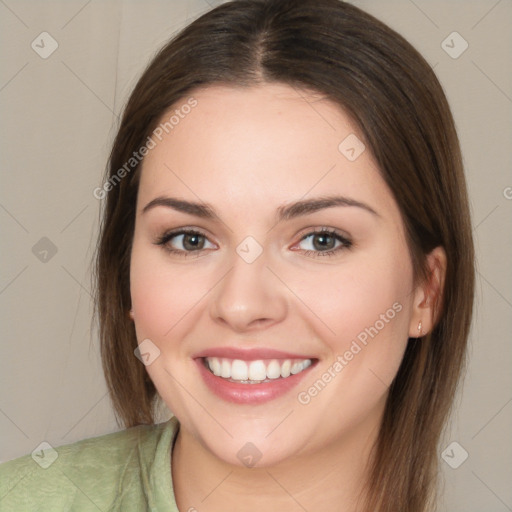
98 473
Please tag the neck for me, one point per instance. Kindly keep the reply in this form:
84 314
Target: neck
329 479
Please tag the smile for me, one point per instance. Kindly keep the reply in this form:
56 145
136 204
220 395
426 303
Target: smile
257 371
252 381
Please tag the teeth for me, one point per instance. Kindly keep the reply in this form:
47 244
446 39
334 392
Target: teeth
273 370
239 370
285 368
215 367
255 371
225 369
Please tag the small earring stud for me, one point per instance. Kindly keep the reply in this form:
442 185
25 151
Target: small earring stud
420 331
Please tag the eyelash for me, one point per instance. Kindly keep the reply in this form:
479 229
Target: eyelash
168 236
345 242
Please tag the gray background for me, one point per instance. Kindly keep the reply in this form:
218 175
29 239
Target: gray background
59 116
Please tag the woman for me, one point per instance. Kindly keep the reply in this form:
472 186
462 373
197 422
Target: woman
286 262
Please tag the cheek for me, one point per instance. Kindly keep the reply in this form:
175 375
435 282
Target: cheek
349 298
366 305
161 299
361 311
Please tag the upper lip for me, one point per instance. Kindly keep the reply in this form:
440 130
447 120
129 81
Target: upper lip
248 354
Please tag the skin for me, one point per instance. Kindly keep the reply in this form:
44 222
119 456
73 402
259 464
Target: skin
246 152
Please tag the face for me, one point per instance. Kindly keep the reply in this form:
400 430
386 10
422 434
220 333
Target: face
277 257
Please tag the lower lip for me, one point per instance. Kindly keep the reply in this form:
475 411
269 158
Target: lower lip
250 393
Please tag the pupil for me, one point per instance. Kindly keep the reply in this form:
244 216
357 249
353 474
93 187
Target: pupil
325 242
193 242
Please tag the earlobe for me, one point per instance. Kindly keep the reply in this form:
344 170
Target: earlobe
429 295
130 314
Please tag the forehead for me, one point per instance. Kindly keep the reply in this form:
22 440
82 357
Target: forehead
271 142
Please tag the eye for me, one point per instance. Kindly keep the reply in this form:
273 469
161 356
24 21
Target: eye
184 241
323 242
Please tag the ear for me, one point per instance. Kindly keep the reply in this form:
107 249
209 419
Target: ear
130 314
428 295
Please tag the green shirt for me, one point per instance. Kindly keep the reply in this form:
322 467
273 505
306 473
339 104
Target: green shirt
124 471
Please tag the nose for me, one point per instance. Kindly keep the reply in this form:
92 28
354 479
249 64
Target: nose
249 297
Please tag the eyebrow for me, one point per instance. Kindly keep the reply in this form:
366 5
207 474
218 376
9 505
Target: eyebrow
286 212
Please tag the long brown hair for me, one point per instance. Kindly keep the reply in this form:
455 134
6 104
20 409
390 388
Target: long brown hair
390 91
